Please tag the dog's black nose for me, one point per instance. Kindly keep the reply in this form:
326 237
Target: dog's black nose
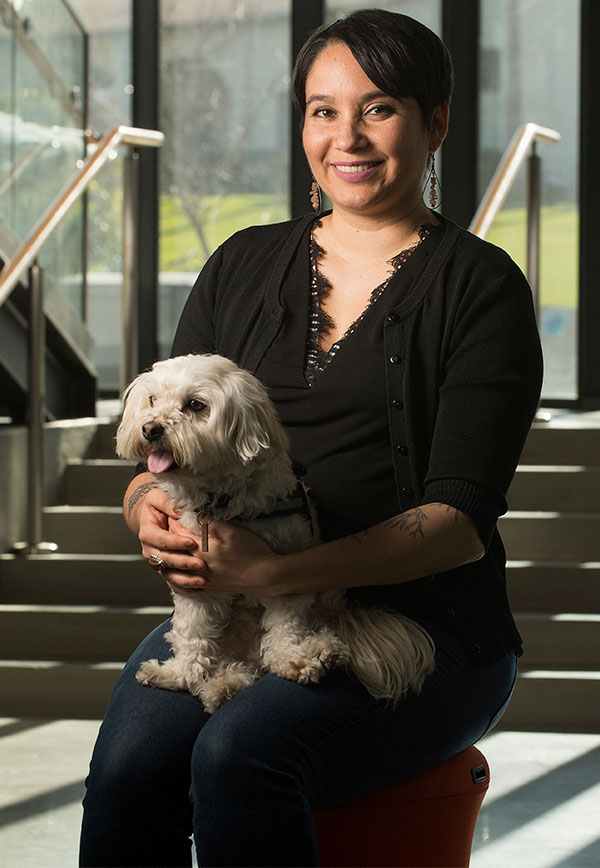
152 431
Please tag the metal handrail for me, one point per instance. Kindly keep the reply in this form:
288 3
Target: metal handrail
14 270
504 176
25 259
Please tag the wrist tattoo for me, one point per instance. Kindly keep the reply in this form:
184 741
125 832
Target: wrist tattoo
139 492
412 522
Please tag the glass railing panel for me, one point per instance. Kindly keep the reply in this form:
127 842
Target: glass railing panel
49 91
529 71
108 25
225 112
57 51
6 118
42 122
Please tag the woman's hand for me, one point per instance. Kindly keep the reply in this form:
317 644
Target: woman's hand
148 512
238 561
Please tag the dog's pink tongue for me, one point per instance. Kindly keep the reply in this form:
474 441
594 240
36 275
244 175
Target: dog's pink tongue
160 461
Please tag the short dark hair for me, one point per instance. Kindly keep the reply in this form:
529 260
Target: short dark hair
400 55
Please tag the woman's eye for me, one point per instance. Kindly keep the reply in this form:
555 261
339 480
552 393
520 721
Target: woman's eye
195 405
379 110
323 113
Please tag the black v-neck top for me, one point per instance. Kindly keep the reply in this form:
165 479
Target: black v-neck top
337 419
463 371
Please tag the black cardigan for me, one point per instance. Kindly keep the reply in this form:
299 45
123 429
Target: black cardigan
463 379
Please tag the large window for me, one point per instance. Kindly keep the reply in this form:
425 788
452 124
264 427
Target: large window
426 11
225 111
529 64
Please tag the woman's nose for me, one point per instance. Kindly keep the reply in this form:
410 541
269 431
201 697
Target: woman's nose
349 134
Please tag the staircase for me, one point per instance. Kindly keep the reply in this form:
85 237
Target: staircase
552 538
69 620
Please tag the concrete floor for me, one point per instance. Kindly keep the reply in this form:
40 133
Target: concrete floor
542 809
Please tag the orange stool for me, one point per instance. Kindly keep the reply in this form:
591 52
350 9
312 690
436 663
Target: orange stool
428 820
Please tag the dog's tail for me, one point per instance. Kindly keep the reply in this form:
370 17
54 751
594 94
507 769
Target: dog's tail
389 653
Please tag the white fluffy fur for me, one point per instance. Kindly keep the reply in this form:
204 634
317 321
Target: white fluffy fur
230 442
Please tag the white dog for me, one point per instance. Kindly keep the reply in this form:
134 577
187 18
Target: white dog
211 436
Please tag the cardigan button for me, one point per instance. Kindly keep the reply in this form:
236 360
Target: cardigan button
402 449
395 360
398 403
407 492
392 317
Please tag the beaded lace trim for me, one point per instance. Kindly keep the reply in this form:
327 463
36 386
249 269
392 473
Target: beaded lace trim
320 323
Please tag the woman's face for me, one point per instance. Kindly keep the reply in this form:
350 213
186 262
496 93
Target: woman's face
367 150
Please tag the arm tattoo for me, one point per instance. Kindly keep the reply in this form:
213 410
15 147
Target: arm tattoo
412 522
139 492
357 536
451 510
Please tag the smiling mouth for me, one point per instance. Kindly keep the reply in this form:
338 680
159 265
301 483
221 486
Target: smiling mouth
355 168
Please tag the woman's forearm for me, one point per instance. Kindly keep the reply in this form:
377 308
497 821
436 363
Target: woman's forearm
147 512
137 489
420 542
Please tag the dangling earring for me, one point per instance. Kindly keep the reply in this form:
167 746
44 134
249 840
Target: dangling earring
315 197
434 183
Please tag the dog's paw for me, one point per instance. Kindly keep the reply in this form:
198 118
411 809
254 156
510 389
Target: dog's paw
150 674
166 675
226 684
309 661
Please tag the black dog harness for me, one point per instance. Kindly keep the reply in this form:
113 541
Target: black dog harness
296 503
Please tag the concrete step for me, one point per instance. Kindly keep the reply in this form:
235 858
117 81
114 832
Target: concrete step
96 482
560 640
550 586
75 633
551 536
85 529
92 579
527 535
103 443
543 701
552 701
566 488
43 689
562 440
126 580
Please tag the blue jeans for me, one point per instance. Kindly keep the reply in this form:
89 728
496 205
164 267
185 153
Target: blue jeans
245 780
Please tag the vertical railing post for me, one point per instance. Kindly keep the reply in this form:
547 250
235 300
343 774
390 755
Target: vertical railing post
36 412
534 201
130 314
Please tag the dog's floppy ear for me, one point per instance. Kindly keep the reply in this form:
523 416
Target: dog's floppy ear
134 386
253 421
249 437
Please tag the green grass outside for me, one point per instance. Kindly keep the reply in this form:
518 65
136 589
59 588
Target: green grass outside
180 246
558 254
181 250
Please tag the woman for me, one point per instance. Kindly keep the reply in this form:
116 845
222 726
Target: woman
402 355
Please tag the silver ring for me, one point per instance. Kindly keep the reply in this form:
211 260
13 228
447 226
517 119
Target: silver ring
155 562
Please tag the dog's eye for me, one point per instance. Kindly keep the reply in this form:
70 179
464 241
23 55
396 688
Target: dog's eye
151 400
195 405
